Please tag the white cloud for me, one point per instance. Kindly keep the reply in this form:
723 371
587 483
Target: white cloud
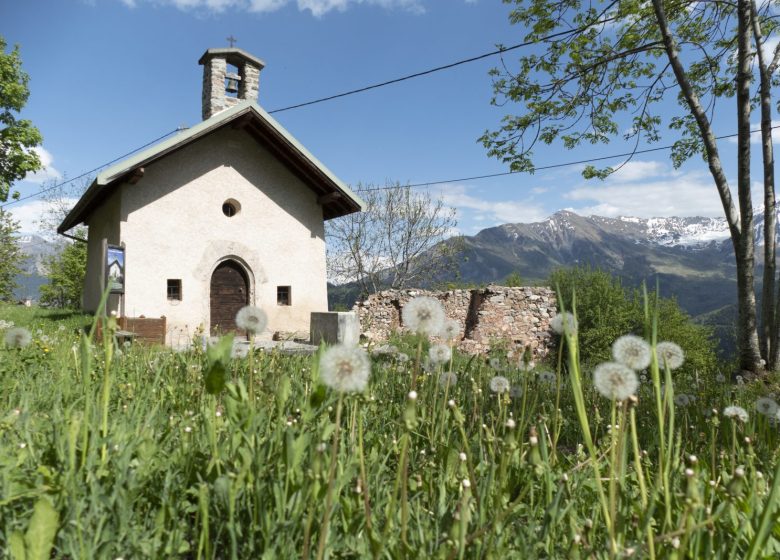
755 138
48 173
668 194
503 211
639 170
28 214
317 8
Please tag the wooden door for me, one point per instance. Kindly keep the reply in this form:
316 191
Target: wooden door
229 293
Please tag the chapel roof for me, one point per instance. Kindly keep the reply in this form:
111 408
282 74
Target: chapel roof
335 197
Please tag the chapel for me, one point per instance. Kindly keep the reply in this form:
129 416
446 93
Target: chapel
226 213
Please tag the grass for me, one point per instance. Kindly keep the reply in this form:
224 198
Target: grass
110 452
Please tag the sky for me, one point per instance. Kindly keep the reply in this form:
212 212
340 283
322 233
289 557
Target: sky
108 76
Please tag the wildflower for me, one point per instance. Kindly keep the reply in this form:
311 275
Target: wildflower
251 319
239 351
451 403
670 355
736 412
499 384
448 379
439 353
564 323
720 378
516 391
187 429
526 366
402 358
510 424
615 381
632 351
547 377
766 406
17 337
450 330
345 368
495 363
412 395
424 315
462 456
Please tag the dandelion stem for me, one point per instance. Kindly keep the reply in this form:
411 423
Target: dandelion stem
334 448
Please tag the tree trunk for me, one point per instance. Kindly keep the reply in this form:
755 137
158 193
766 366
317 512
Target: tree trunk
769 332
741 236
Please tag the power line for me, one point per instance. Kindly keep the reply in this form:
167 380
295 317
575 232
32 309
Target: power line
91 171
337 96
439 68
544 167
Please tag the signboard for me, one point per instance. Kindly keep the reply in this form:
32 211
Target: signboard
115 269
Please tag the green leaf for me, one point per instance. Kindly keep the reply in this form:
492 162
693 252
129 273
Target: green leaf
16 545
42 530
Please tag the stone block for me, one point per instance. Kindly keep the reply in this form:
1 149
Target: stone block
334 327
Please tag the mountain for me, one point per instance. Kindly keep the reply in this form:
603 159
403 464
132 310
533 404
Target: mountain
690 258
36 249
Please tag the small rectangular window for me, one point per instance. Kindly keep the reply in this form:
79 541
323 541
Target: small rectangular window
174 289
283 295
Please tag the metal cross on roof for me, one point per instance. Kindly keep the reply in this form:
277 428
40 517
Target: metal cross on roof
232 40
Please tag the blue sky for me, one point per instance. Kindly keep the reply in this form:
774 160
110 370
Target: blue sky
110 75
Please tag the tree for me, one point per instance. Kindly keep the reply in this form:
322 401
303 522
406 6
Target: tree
607 310
65 271
397 241
17 137
11 255
619 59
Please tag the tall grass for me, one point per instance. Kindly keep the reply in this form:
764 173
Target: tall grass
110 452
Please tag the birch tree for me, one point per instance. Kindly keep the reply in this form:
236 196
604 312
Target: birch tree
615 62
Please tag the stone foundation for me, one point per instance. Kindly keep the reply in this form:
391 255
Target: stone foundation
513 317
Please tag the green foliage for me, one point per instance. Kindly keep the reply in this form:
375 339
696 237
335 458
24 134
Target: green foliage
17 137
113 454
606 76
65 271
513 280
607 310
11 255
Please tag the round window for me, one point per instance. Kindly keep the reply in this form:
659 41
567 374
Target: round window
230 207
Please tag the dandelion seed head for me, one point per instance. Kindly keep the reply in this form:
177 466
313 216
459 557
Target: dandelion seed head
448 379
632 351
682 400
251 319
547 378
766 406
736 412
451 403
462 456
345 368
499 384
510 424
516 391
450 330
564 322
670 355
402 358
615 381
466 483
424 315
439 353
495 363
720 378
17 337
412 395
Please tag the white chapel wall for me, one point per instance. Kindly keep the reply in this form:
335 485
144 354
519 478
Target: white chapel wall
174 228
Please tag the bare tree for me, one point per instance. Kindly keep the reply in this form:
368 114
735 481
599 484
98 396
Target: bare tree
398 241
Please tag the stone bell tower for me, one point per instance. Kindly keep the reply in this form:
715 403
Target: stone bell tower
223 87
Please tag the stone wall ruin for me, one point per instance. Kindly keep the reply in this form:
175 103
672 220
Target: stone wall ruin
515 317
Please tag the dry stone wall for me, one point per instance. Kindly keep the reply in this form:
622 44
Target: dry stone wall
514 317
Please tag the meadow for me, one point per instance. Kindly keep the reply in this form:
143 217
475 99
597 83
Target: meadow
113 451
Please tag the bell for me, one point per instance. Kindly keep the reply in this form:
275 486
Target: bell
232 83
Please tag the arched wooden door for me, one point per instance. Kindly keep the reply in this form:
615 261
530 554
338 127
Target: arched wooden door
229 293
